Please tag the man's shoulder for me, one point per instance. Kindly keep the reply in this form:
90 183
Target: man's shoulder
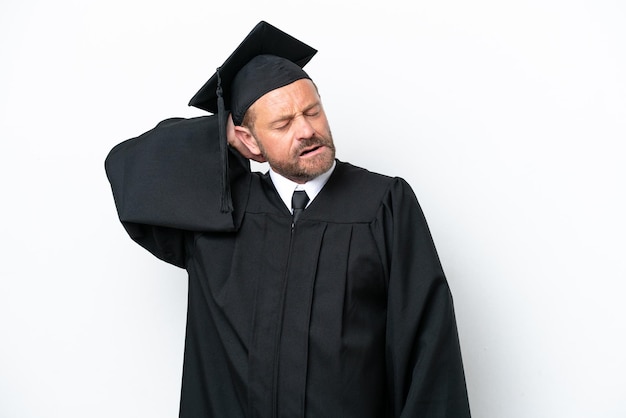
355 177
355 194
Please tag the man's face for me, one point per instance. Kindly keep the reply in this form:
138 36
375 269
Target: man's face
292 132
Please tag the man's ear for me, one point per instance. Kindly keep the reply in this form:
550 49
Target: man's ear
245 137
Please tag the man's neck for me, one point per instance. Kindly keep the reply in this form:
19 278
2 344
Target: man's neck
286 187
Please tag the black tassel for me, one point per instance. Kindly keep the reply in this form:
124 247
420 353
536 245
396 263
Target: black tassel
227 205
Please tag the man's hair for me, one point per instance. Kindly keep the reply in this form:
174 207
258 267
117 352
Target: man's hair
249 118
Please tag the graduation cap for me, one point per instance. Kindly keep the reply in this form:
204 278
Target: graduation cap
267 59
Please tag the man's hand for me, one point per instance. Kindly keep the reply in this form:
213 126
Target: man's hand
236 143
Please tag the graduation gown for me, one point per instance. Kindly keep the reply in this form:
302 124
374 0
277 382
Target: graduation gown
347 313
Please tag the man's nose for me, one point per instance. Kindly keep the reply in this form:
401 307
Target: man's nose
304 128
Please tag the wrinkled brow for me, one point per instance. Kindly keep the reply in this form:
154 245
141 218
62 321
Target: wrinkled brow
289 116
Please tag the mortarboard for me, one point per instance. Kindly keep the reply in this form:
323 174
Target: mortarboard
267 59
258 77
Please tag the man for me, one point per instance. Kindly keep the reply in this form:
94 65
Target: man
315 289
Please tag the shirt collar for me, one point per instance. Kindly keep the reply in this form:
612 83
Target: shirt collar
286 187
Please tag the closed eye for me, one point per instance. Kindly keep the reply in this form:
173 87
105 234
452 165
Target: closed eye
313 111
282 125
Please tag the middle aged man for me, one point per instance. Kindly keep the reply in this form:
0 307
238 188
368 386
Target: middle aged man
314 289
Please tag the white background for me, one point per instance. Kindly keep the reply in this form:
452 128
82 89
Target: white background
508 118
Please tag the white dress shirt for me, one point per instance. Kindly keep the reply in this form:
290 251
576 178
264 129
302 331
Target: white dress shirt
286 187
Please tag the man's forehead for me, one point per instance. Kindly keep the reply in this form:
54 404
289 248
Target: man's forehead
288 100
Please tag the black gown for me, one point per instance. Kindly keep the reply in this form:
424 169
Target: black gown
345 314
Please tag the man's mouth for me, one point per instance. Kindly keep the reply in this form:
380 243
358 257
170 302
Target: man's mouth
310 150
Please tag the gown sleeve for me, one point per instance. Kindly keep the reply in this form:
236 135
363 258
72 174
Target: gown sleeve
425 370
167 183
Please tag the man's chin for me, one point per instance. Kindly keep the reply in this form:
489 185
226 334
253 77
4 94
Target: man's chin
307 168
317 166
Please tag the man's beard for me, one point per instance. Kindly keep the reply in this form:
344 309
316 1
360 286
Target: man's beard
302 171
